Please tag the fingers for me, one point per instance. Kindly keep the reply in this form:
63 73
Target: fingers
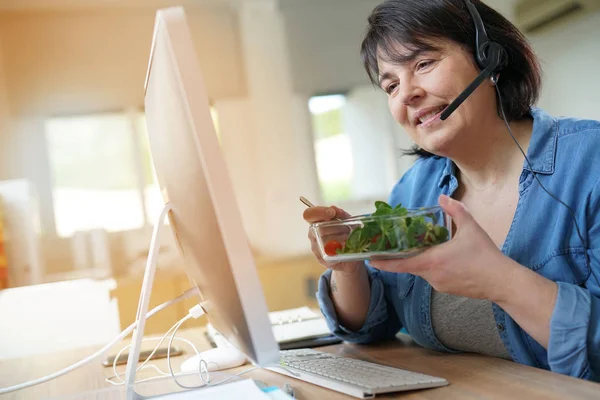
455 209
397 266
322 214
416 265
339 213
337 232
315 249
318 214
314 246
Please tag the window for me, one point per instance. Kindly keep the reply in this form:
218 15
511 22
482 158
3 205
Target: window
102 173
98 164
357 148
333 151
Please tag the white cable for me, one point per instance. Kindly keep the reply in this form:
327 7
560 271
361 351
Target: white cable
141 366
118 377
195 312
202 364
158 346
161 373
188 293
175 328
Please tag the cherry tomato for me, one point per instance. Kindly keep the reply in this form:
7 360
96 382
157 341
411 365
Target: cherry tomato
375 238
332 246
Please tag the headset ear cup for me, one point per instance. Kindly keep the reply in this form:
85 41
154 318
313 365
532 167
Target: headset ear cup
486 51
499 54
503 59
492 52
482 55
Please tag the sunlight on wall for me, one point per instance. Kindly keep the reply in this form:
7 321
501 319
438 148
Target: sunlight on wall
333 152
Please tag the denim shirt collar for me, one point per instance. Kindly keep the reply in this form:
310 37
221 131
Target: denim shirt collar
542 146
541 152
449 172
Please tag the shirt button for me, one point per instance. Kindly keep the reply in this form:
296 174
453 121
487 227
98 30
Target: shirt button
500 327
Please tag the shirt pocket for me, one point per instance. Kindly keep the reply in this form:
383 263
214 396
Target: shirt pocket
404 283
565 265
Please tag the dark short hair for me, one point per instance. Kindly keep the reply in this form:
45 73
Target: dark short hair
415 23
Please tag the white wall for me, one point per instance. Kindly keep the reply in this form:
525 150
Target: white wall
277 151
366 120
22 144
28 158
570 55
324 39
92 60
243 148
504 7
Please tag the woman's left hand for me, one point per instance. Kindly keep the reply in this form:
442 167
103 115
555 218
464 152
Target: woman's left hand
469 265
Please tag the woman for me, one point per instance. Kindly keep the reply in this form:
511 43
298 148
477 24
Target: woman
517 281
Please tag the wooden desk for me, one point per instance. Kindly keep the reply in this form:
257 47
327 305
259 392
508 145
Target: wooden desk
470 376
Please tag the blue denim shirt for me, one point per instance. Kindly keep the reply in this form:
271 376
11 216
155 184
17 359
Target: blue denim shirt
564 154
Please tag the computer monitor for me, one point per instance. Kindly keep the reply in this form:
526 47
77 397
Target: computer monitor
193 178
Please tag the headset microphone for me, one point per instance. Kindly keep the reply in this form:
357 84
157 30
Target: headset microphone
491 57
486 73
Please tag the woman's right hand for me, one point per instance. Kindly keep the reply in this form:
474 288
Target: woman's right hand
322 214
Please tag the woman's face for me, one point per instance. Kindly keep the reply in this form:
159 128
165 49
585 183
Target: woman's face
421 88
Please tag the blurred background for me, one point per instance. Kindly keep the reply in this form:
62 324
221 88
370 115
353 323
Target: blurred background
295 115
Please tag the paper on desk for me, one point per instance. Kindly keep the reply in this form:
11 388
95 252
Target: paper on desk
301 330
292 315
245 389
297 324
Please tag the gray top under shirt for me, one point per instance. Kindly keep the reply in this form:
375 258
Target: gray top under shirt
467 325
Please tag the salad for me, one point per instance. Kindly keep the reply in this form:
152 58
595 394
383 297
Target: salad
392 229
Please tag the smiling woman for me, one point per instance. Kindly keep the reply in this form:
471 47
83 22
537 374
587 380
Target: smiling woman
501 168
446 49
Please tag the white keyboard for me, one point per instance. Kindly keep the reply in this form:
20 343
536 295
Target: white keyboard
356 378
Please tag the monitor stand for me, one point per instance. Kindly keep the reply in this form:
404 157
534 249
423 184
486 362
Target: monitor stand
138 332
223 357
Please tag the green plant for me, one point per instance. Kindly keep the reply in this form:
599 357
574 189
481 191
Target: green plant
402 233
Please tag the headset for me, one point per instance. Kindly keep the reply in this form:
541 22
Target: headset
491 58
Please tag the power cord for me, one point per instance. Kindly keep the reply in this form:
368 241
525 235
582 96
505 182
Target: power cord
195 312
583 241
203 367
118 377
187 294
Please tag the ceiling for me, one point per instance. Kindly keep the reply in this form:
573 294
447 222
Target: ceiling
64 5
56 5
